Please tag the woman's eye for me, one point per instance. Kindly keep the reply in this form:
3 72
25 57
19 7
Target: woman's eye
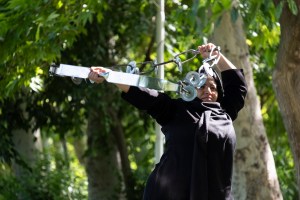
202 87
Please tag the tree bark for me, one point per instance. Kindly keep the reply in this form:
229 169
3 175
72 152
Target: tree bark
27 143
121 144
104 180
286 79
255 174
80 146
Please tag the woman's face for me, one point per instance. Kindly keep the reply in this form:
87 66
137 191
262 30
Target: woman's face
208 92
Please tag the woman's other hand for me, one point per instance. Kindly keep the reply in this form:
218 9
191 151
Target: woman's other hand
94 74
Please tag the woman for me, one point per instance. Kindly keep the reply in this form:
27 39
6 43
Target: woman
200 138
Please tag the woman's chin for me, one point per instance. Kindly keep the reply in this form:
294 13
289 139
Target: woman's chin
206 100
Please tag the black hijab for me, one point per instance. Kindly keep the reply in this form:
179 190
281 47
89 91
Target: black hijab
217 79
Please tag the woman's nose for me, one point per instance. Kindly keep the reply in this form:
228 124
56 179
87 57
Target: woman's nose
207 89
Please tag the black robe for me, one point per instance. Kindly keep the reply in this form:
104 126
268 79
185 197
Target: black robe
200 141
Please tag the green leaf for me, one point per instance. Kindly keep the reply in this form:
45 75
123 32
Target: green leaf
227 4
293 6
278 10
11 86
52 16
37 34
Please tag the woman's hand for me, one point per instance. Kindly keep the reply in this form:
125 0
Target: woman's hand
223 64
94 74
205 50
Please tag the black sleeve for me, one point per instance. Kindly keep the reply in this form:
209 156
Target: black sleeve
159 105
235 90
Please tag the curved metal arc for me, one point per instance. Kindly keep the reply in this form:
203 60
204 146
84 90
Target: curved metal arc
176 59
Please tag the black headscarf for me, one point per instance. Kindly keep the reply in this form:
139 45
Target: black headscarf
219 85
218 81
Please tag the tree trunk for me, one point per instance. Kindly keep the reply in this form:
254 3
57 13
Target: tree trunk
121 144
27 143
255 174
79 144
286 79
104 180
